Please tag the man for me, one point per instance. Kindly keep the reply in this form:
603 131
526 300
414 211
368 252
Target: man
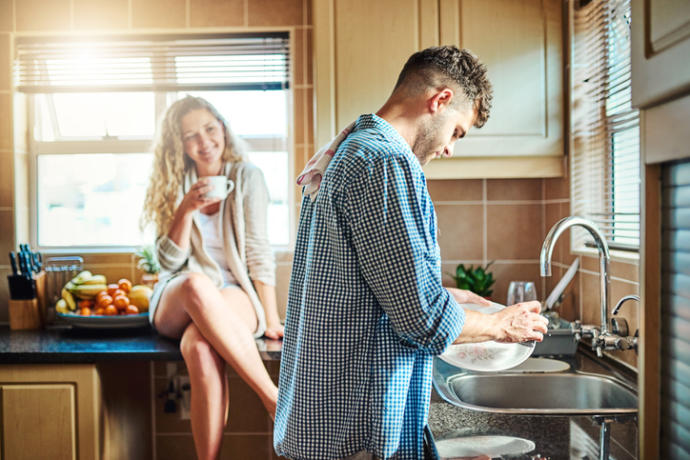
366 308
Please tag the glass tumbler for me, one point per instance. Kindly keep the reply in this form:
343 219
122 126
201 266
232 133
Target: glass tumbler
521 291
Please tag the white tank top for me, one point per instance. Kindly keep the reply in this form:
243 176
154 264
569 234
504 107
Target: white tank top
212 236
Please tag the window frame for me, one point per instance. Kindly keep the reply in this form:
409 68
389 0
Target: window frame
113 145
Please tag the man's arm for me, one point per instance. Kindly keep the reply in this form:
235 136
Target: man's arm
388 216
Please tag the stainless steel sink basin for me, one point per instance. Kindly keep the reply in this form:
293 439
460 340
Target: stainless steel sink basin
571 393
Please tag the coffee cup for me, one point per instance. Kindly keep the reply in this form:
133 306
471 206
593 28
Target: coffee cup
221 186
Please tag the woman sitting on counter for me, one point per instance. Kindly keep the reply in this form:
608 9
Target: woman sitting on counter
216 290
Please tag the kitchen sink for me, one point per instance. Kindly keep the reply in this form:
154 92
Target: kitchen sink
568 393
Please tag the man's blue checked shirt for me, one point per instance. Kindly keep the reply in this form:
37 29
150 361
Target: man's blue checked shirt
366 309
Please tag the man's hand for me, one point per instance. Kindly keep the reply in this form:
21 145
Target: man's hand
463 296
521 322
518 323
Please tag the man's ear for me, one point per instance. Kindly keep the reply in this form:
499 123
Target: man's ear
440 100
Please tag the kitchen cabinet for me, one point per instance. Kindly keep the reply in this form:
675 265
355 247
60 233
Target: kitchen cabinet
361 46
660 51
50 411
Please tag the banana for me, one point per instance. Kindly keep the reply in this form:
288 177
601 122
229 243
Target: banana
95 279
68 298
61 306
87 291
140 296
81 277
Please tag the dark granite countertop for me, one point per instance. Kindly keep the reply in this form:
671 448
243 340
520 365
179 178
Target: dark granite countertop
554 437
71 345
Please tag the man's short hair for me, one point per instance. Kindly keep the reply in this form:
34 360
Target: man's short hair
449 66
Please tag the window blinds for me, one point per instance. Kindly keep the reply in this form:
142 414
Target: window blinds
158 63
605 128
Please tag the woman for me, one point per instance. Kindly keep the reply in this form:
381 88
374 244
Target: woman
216 291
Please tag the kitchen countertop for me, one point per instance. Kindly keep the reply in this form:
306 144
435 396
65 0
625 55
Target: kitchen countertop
70 345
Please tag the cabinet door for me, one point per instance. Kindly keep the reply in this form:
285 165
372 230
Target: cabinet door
38 421
660 50
520 43
360 47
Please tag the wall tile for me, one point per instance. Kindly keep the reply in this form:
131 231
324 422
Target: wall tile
513 189
283 272
43 15
100 14
6 14
514 231
309 57
275 12
299 96
618 269
455 190
216 13
20 122
247 414
154 13
591 306
175 447
112 271
299 55
460 231
5 66
504 273
4 294
5 122
246 446
6 234
556 188
309 116
6 179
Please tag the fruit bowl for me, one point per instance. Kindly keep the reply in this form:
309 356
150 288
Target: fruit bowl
105 322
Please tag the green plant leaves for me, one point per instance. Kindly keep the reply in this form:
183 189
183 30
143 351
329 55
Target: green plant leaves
475 279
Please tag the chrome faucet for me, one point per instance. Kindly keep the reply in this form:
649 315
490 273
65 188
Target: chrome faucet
602 339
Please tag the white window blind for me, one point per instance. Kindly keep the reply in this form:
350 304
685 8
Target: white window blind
605 127
159 63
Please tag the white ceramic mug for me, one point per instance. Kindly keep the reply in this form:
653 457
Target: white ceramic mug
221 186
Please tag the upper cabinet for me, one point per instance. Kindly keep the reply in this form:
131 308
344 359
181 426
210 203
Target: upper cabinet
660 51
360 47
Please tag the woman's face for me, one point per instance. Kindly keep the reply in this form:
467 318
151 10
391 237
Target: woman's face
203 138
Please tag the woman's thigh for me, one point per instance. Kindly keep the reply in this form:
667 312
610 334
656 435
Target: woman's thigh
171 317
239 301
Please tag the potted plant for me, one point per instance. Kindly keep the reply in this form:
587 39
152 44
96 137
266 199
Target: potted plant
149 265
475 279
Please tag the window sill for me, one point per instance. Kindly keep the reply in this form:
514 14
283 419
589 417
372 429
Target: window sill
629 257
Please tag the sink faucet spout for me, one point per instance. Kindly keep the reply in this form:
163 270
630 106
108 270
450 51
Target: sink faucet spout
604 259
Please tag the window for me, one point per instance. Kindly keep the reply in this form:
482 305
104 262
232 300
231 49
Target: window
606 154
93 109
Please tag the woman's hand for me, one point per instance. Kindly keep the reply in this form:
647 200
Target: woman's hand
195 198
274 331
463 296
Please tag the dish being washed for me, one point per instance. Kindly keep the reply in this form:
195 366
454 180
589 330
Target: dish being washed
488 356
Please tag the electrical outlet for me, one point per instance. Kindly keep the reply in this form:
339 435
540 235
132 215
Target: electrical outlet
184 393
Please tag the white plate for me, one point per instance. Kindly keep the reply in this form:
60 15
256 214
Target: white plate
491 446
106 322
487 356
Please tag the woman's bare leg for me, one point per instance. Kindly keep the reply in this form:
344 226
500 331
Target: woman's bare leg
193 297
209 398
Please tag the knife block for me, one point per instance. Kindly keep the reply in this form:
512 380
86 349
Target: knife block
24 314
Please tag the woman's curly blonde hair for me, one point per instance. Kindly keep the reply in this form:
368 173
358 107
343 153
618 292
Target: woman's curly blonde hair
170 163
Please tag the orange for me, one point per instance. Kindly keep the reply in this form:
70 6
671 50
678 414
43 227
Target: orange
101 294
125 285
99 311
104 301
132 310
121 302
85 311
111 289
85 303
110 310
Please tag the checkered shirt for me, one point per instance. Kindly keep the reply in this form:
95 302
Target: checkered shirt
366 308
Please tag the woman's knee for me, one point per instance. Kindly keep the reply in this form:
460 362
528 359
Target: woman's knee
197 352
195 288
